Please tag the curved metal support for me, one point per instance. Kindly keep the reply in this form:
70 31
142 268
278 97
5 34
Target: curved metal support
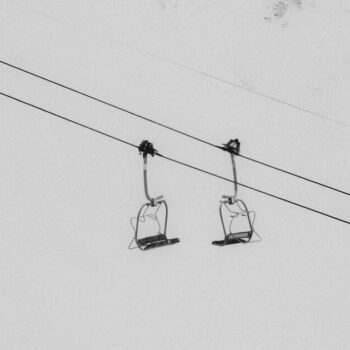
166 216
222 219
235 186
245 213
146 205
155 200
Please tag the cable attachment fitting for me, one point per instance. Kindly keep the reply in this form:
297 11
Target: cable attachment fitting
233 147
146 148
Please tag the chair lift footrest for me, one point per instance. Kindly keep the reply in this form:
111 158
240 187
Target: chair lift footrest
162 243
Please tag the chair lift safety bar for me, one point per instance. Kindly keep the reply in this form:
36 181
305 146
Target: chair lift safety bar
151 210
234 208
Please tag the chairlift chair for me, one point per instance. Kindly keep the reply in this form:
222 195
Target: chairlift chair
234 208
151 210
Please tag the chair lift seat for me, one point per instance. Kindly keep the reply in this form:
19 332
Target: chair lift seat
157 241
233 238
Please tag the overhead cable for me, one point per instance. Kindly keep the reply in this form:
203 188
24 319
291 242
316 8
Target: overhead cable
174 160
137 115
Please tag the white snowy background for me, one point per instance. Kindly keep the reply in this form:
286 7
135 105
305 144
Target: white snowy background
67 279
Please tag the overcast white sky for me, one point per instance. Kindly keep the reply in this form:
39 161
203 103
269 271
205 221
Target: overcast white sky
67 279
